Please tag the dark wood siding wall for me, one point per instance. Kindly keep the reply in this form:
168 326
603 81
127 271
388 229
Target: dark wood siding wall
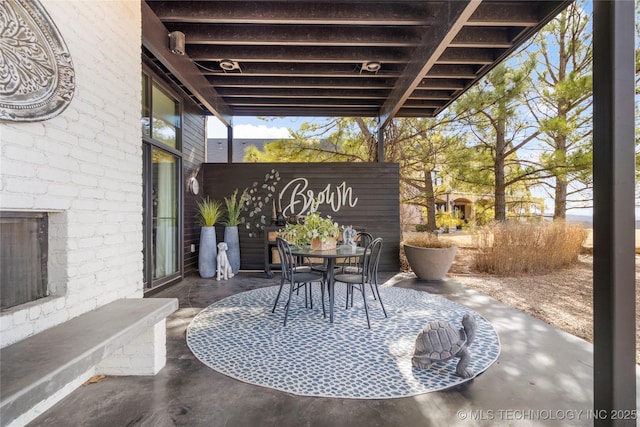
193 155
373 190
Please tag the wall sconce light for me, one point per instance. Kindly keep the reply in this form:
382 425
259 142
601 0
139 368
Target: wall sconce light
177 42
193 185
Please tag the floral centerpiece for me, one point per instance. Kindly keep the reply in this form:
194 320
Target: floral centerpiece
321 233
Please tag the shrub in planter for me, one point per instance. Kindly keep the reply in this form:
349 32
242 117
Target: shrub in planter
429 257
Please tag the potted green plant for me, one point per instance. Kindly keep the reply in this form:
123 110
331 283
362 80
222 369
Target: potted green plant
235 205
429 256
321 233
209 213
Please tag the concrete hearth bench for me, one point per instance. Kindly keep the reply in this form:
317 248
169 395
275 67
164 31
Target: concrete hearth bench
124 337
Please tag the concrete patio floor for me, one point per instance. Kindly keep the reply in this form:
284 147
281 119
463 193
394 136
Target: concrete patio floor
542 377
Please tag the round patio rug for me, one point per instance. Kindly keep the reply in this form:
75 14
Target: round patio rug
240 337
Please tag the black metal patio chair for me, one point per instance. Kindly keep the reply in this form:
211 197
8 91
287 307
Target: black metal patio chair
297 276
367 276
353 265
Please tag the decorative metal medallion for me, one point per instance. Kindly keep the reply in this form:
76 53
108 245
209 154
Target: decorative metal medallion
37 80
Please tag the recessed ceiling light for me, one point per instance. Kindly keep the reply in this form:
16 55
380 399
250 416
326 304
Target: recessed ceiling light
371 66
229 65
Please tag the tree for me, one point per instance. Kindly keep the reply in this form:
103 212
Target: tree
562 105
426 148
335 140
419 145
490 110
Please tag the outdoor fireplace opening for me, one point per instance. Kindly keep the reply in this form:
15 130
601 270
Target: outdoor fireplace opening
24 250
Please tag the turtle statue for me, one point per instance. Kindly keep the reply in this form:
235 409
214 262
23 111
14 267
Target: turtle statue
439 341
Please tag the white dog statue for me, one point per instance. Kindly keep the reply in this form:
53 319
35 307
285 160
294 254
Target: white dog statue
224 268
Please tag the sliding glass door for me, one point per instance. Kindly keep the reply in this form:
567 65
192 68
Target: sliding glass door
162 172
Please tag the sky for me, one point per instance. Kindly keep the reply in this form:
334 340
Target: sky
254 127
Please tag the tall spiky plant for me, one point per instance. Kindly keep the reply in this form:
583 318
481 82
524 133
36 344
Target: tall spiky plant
234 205
209 212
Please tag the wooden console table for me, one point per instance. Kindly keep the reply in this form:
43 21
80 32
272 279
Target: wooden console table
270 234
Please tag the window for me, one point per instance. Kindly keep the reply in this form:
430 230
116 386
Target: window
166 117
160 114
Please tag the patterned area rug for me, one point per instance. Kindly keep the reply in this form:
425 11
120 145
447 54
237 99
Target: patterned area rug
240 337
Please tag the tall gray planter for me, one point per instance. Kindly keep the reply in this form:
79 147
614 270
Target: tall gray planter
430 264
208 252
232 240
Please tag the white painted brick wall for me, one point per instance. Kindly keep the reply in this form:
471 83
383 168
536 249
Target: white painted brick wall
84 166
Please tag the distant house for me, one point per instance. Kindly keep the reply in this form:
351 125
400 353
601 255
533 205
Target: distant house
217 148
468 207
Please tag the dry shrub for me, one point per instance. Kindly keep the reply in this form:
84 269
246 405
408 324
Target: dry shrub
426 240
514 248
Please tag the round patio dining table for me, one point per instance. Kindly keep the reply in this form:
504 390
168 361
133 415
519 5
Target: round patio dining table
340 251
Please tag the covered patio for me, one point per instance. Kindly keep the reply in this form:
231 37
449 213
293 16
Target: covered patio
332 59
417 67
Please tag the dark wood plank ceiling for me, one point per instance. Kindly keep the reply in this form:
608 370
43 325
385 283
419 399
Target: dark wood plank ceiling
307 58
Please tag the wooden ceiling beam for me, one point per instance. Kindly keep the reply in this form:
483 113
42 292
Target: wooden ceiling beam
424 103
466 55
506 13
439 95
245 92
329 111
239 80
441 84
310 102
436 39
287 54
295 35
417 112
453 71
492 37
307 69
290 12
